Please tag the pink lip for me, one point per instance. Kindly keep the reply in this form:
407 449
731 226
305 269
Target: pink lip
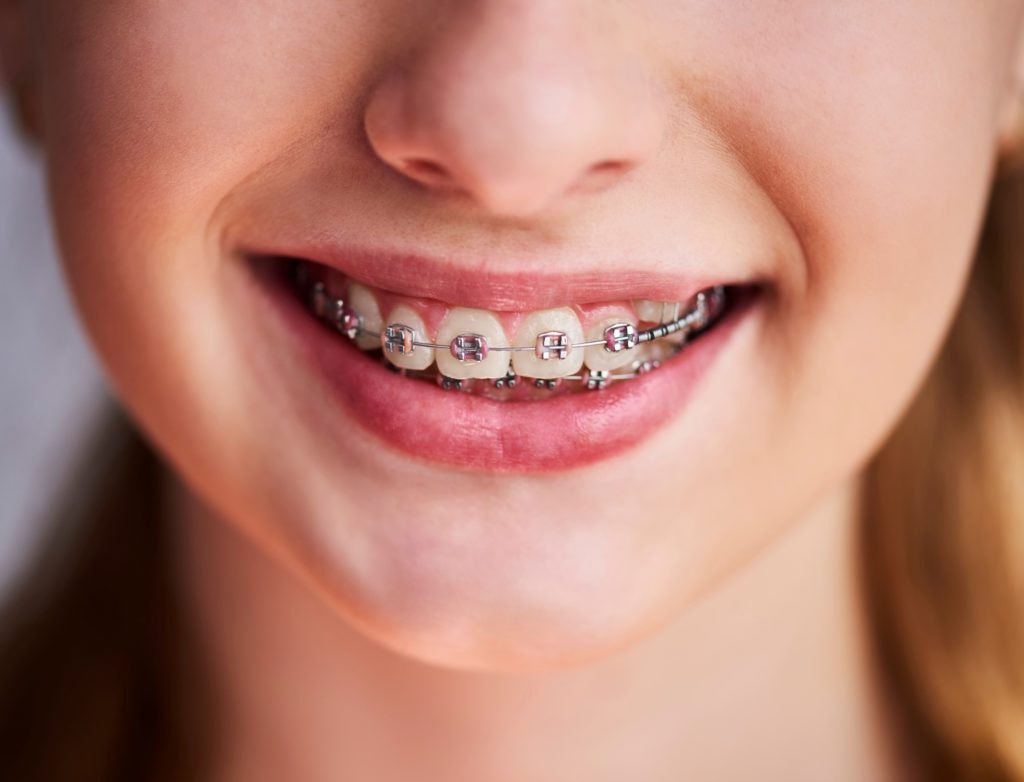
423 421
472 285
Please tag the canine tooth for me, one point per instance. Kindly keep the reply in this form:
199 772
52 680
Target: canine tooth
565 328
621 336
420 357
596 356
364 303
480 331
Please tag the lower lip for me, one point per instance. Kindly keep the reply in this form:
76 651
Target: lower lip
461 430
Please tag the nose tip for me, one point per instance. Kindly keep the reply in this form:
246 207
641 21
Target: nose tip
511 123
508 193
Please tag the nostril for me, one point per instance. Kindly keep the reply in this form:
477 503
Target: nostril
426 170
609 167
601 175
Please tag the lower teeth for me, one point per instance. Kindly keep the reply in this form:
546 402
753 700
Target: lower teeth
520 387
709 307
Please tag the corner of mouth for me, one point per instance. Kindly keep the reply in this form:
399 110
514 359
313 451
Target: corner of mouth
503 419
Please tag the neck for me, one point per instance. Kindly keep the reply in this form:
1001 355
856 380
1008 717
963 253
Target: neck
768 676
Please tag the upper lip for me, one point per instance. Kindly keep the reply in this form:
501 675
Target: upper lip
479 284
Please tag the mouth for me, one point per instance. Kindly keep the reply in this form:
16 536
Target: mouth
503 389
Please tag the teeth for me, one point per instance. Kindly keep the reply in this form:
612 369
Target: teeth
364 303
658 350
647 310
476 346
473 332
656 311
559 326
597 356
419 357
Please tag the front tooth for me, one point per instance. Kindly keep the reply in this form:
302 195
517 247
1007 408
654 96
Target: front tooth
564 327
364 303
466 321
420 357
596 356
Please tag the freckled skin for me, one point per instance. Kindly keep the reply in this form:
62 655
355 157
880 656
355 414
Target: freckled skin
842 150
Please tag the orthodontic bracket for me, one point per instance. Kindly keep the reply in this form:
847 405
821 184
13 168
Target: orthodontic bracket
398 338
469 348
551 345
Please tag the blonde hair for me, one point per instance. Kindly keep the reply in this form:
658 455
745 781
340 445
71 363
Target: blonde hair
943 526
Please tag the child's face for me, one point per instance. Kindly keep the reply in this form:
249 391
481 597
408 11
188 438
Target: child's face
575 151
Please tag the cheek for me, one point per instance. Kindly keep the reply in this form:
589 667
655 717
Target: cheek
881 172
154 112
157 110
878 152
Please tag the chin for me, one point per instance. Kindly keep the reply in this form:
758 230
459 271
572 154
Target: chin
495 592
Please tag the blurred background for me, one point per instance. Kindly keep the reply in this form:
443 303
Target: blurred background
50 387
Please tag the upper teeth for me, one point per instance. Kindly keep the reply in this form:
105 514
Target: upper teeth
552 333
617 339
364 304
549 344
474 338
405 320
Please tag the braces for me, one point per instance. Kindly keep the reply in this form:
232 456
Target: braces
399 338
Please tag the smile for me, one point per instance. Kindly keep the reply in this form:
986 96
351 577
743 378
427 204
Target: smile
535 390
552 351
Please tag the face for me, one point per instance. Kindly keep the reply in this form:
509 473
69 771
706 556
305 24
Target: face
466 168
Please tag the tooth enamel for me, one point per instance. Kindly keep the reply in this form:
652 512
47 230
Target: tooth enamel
656 311
560 321
596 356
470 323
656 350
420 357
676 339
647 310
364 303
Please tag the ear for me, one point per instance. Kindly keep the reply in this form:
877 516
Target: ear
16 74
1010 130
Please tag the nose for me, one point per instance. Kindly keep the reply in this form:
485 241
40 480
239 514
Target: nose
517 105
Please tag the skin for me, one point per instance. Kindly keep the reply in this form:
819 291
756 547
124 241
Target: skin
842 151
